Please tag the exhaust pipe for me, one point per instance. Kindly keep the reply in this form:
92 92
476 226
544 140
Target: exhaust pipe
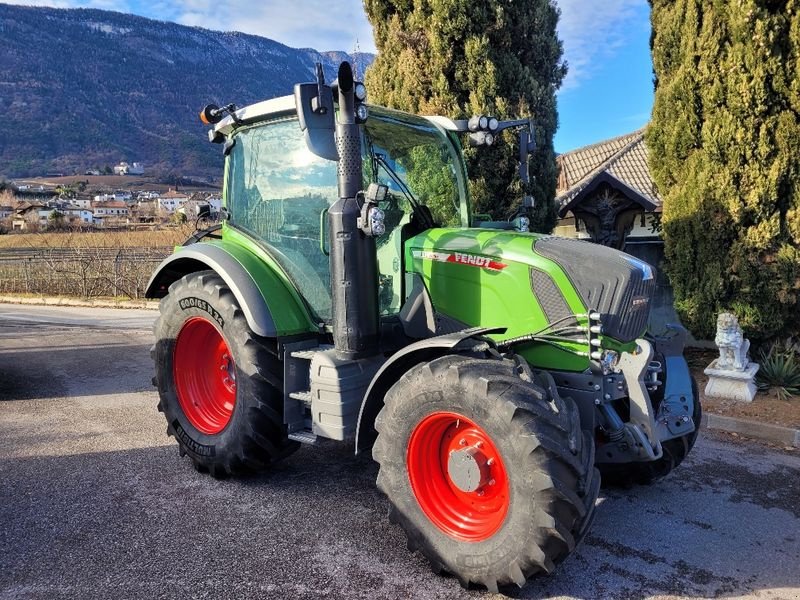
353 256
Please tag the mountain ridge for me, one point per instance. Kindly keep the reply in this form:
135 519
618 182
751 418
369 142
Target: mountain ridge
83 88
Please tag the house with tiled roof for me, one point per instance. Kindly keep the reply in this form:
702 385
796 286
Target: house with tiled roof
605 193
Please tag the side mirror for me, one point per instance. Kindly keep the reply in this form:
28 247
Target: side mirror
314 102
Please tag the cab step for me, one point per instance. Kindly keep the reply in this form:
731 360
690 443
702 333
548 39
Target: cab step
303 436
303 396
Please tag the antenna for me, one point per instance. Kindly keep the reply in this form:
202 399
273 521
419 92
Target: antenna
356 51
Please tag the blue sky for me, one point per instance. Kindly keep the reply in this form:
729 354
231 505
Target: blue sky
608 90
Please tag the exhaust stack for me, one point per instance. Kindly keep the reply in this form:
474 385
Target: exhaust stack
353 257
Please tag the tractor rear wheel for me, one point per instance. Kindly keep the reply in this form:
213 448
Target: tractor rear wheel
645 473
489 475
220 385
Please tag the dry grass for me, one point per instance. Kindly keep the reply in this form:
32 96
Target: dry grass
99 239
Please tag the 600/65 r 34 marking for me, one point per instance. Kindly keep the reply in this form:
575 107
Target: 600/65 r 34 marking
220 385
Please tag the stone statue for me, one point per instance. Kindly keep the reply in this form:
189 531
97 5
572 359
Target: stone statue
733 346
732 375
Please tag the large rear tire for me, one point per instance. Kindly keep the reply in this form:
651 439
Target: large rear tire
219 384
646 473
489 475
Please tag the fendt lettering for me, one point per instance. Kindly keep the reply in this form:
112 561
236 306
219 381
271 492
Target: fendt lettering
366 306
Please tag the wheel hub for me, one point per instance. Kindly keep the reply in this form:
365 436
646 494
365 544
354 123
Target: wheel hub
467 469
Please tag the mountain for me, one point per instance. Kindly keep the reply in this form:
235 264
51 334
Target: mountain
84 88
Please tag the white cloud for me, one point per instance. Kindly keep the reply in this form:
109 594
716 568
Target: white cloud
594 31
296 23
591 31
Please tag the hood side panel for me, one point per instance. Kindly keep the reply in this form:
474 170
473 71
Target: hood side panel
618 286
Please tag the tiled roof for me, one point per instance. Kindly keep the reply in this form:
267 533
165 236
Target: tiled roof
173 194
623 157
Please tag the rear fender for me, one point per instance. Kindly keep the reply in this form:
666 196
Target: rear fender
269 305
399 363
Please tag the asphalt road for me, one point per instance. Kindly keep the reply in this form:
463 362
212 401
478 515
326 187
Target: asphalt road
96 503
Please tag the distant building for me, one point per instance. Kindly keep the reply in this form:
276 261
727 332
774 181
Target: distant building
172 200
75 215
84 202
31 216
215 202
111 208
192 208
124 168
116 196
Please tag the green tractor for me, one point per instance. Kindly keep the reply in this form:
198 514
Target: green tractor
350 294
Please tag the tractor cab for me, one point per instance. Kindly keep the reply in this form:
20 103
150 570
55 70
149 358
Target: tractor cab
278 191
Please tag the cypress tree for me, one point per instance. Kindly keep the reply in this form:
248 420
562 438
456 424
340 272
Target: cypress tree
464 57
724 145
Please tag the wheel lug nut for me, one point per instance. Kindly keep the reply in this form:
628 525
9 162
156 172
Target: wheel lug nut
479 444
492 482
462 442
480 492
490 462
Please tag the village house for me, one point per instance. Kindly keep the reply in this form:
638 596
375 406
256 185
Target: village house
31 216
111 208
124 168
118 195
192 208
605 194
82 202
76 215
171 201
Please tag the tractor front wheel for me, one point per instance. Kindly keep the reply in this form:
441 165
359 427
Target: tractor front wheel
489 475
220 385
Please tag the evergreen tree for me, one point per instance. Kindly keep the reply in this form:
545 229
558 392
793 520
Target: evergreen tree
724 146
464 57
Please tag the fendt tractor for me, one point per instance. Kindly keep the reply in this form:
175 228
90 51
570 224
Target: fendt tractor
349 293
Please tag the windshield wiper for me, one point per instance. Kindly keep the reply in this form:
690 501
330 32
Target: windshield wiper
423 215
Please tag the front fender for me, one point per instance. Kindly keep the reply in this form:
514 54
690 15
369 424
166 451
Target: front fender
270 306
393 369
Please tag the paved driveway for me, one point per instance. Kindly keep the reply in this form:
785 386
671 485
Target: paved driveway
95 503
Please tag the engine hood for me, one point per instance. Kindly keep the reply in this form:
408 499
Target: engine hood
486 275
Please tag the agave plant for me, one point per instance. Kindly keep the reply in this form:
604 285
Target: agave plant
780 370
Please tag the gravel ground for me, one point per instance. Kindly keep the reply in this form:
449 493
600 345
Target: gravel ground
96 502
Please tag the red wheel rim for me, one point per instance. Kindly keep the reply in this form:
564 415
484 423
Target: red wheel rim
205 376
467 515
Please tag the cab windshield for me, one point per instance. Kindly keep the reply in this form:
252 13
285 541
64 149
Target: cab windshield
278 191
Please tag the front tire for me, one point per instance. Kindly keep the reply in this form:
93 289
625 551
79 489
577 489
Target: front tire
489 475
219 384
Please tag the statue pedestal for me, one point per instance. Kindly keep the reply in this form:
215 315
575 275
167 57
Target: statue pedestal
734 385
